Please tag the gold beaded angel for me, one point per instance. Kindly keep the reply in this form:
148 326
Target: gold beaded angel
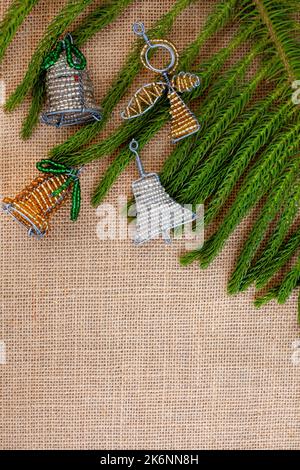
183 121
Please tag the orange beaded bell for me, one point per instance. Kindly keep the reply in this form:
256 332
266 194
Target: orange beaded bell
34 206
36 203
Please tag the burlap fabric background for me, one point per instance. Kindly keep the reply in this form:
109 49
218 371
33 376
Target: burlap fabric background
111 346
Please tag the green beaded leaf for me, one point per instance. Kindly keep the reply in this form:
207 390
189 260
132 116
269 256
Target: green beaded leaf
75 58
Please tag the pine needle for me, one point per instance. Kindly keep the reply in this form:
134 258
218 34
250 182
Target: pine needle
262 271
227 116
278 195
16 13
257 139
257 183
210 175
282 291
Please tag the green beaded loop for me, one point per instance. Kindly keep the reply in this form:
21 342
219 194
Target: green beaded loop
49 166
71 52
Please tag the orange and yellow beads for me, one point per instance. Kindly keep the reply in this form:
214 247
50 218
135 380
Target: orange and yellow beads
36 203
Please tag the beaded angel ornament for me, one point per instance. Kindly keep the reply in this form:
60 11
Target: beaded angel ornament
156 212
183 121
70 92
33 207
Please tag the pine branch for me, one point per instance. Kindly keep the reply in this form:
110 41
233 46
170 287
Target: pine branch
282 291
119 86
298 317
261 271
211 137
271 294
92 24
217 98
289 282
132 128
32 119
210 175
58 26
13 18
283 255
257 139
257 183
277 17
276 198
98 19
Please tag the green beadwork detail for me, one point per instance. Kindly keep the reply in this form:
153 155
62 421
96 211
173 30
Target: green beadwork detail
49 166
71 52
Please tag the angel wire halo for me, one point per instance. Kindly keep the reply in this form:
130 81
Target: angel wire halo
139 30
183 122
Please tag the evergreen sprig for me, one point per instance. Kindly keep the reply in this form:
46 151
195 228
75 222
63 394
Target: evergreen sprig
278 18
16 13
278 195
263 269
210 175
37 101
256 140
132 127
217 99
285 252
224 118
57 27
283 290
257 182
98 19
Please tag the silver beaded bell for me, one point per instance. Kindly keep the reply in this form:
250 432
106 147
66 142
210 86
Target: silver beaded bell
156 212
69 89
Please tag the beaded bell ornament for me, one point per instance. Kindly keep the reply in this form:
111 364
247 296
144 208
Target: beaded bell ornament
34 206
156 212
69 89
183 121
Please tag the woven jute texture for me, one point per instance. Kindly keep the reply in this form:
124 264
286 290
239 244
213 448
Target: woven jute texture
111 346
